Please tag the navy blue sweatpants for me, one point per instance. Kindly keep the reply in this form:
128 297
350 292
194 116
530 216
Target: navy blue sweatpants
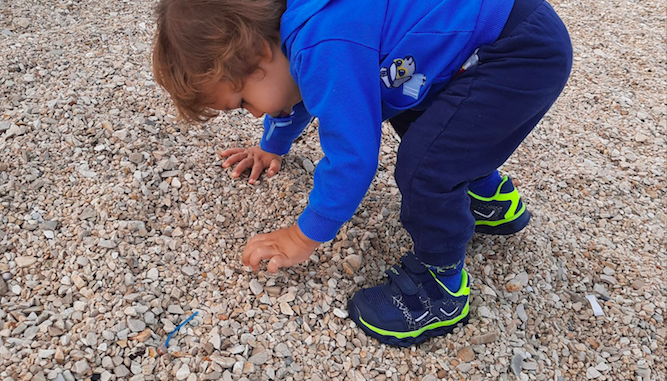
473 126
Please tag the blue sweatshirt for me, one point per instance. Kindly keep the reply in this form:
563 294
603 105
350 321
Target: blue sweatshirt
357 63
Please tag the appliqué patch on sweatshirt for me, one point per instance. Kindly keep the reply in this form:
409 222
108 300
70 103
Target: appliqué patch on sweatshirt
402 72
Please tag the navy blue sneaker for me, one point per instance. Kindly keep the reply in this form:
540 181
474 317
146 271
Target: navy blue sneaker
411 306
502 214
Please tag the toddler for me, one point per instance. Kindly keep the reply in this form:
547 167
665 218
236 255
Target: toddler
462 83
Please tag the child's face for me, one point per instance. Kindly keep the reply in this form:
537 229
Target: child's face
269 90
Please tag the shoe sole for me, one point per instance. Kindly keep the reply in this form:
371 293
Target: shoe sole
408 341
509 228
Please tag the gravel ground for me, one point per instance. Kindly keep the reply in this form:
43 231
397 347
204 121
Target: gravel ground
117 223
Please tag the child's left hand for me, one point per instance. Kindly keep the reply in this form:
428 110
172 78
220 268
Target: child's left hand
283 248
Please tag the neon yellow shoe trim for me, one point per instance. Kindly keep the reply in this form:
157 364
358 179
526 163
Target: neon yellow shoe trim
463 290
512 214
403 335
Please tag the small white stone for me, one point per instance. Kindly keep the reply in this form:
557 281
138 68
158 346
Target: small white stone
602 367
175 309
597 310
256 287
25 261
188 270
340 313
183 372
81 367
308 166
521 313
484 311
592 373
176 183
237 349
136 325
286 309
215 341
153 274
46 353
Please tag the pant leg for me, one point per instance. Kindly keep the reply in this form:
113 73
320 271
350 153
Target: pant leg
402 121
472 127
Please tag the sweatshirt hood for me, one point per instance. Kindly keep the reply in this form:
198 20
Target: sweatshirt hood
297 13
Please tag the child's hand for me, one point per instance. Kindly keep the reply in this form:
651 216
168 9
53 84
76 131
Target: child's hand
283 248
254 158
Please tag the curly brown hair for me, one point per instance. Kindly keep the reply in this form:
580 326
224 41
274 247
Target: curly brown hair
201 42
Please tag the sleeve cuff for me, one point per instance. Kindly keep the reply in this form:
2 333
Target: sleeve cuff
318 228
275 146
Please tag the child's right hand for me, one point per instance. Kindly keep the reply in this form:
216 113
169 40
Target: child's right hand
254 158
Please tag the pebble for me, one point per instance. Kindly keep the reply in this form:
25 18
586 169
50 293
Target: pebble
25 261
256 287
189 271
143 335
183 372
121 371
485 339
308 166
484 311
514 285
597 310
215 340
282 350
592 373
285 309
521 313
175 309
153 274
517 364
46 353
81 367
136 325
340 313
465 354
608 279
3 287
225 362
259 358
354 261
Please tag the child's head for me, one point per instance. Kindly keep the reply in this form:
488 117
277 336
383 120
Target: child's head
200 43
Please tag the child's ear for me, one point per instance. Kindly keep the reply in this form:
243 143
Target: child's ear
267 51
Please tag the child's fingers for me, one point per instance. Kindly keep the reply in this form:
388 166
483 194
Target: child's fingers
251 246
274 167
231 151
257 169
260 253
278 261
234 158
242 166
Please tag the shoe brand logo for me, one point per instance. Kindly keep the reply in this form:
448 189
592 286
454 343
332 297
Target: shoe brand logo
484 215
449 314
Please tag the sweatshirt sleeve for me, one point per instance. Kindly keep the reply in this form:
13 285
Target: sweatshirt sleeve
340 85
279 133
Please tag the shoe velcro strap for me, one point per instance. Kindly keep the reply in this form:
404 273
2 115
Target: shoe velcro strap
401 278
413 264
